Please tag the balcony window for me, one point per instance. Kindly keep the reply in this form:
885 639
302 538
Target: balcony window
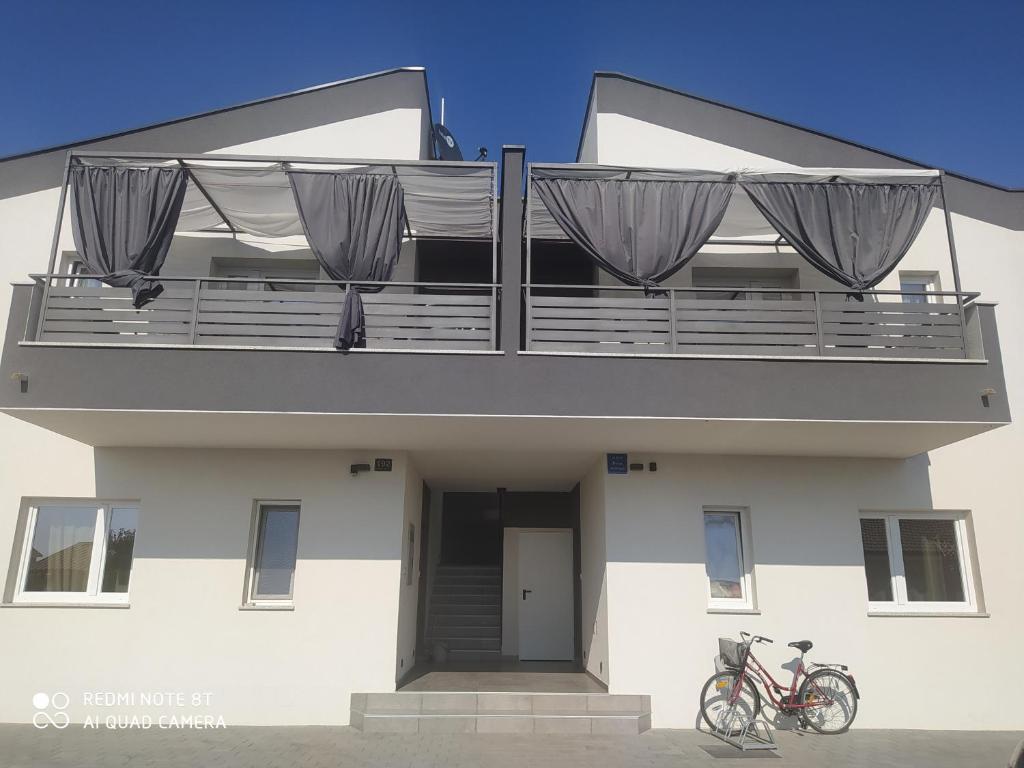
917 562
742 284
270 270
77 552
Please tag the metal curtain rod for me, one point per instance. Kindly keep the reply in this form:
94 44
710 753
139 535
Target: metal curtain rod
280 159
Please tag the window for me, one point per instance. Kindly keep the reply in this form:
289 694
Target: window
736 279
914 286
274 547
917 562
78 268
77 552
726 561
275 269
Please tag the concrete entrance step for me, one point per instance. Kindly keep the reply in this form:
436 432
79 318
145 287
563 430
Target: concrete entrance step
440 712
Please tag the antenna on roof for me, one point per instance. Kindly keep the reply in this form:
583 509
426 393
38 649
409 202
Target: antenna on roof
445 146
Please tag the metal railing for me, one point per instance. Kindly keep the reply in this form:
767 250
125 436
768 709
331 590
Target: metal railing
770 322
251 312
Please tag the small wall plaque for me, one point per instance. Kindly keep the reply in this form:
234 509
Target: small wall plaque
382 465
618 464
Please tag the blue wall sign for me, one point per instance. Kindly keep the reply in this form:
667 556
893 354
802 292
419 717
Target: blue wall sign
618 464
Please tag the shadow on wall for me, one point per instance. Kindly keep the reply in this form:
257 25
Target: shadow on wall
803 511
199 503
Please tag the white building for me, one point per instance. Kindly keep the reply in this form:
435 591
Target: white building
204 495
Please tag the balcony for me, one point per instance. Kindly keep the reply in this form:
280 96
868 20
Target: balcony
266 314
463 354
622 320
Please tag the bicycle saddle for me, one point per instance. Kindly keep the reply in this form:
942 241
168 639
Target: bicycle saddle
802 645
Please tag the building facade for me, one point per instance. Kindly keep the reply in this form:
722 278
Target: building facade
531 460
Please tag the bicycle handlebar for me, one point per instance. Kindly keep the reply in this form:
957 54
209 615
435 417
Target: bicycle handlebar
750 639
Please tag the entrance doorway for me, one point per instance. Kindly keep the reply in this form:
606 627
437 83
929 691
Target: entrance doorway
484 550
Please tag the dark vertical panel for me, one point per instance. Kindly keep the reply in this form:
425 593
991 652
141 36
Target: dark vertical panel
511 246
470 529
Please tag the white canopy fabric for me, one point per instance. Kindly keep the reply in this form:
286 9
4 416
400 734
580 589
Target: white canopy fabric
742 218
441 199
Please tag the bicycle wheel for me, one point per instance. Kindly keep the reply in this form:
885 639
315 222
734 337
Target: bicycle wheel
837 697
714 701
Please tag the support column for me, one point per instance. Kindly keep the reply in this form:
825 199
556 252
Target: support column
513 158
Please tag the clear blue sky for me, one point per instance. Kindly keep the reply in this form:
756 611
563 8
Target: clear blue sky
939 80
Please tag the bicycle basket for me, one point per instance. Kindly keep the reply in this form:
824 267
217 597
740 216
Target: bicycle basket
733 654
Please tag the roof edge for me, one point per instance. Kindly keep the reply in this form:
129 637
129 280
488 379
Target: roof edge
222 110
849 142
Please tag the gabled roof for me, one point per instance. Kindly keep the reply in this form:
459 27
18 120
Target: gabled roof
226 126
219 111
781 140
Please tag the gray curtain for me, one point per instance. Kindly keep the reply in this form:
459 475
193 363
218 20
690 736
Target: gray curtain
854 233
123 220
640 231
353 222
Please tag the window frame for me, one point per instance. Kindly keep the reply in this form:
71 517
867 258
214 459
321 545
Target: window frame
93 594
744 551
897 573
250 598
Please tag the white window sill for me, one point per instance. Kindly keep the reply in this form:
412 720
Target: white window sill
742 611
933 614
28 604
284 605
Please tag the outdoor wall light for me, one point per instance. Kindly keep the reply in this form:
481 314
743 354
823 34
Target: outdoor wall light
355 469
21 378
986 394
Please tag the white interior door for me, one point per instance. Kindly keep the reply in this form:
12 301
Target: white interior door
545 595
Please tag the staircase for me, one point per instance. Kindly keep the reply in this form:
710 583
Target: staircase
441 712
465 612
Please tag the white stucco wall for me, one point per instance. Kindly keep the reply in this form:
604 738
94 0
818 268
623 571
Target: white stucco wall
808 562
405 657
593 578
184 630
809 576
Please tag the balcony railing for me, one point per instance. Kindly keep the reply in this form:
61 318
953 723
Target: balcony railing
762 322
243 312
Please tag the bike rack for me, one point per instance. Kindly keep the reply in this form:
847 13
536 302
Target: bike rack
750 733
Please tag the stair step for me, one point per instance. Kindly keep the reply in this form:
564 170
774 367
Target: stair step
464 609
467 589
469 569
595 713
489 619
453 576
439 600
449 632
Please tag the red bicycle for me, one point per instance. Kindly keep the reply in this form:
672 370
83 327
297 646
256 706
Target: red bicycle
826 699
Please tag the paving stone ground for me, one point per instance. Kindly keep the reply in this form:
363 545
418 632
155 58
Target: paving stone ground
24 746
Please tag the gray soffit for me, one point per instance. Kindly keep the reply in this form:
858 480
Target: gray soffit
783 141
284 113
